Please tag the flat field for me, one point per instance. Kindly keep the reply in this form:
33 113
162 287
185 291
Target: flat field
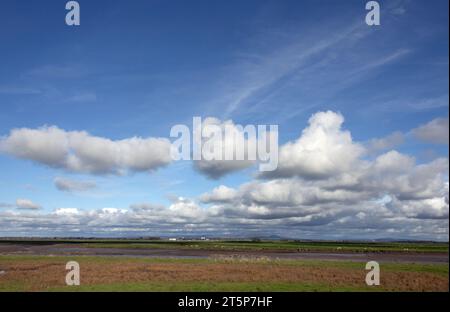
221 266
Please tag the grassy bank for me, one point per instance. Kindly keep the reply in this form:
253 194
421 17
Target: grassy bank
291 246
46 273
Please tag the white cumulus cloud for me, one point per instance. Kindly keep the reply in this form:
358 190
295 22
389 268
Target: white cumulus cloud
78 151
26 204
68 185
324 149
435 131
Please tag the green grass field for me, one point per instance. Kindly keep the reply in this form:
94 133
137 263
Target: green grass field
288 246
251 245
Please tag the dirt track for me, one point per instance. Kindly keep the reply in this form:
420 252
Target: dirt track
63 250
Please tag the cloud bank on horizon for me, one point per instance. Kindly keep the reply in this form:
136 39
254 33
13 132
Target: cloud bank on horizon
85 119
324 181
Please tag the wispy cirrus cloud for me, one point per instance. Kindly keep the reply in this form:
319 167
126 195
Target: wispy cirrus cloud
259 82
16 90
254 77
57 71
82 97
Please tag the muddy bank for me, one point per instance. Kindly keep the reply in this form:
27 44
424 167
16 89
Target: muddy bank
69 250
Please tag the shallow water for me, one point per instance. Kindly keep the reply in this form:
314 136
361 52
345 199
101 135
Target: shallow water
65 250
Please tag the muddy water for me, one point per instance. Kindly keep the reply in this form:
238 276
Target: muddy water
72 250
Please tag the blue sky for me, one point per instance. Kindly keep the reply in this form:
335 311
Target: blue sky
137 69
